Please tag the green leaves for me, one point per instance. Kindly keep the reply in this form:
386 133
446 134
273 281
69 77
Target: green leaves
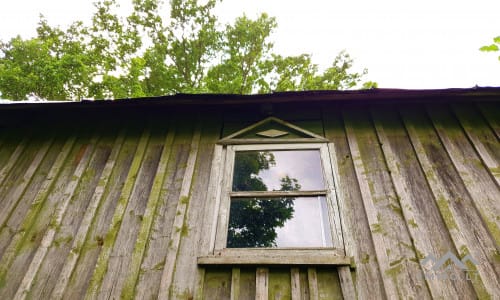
148 54
493 47
489 48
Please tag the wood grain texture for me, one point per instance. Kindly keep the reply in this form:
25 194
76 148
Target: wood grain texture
481 137
355 226
154 256
56 220
179 225
280 283
262 284
416 201
35 221
491 113
125 195
186 270
457 209
90 211
235 284
472 171
312 280
395 251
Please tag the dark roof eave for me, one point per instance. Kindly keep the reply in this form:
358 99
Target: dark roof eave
362 96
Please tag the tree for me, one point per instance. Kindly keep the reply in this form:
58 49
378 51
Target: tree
492 47
148 54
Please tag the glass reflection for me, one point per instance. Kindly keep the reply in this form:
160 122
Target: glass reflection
298 170
279 222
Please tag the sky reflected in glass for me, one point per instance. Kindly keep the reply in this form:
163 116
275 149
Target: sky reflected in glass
279 222
270 167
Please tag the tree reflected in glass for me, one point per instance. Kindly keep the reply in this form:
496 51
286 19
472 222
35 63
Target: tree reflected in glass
253 221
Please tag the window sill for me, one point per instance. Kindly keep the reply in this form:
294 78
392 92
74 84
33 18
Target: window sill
274 256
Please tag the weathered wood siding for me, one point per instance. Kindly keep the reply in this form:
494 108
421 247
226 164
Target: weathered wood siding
114 206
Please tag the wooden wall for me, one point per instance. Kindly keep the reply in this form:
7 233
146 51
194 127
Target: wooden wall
112 205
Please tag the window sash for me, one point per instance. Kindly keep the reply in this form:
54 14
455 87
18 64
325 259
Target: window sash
226 192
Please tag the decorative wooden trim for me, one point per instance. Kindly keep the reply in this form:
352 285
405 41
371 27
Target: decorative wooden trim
214 193
278 194
270 140
333 209
267 120
284 146
223 219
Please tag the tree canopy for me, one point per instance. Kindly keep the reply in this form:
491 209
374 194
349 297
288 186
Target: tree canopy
149 54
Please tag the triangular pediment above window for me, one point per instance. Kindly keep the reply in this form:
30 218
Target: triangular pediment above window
272 130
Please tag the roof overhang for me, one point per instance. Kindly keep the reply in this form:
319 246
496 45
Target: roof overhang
357 96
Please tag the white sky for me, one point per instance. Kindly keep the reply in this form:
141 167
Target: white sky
403 44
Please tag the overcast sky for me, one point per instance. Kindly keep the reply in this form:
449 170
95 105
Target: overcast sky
403 44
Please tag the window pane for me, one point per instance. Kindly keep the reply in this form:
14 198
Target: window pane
297 170
279 222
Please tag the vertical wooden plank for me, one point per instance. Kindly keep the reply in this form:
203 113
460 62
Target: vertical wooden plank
355 227
11 199
235 284
304 284
340 223
491 113
214 193
43 193
280 283
101 224
4 171
147 220
396 256
89 215
217 284
223 217
261 283
193 237
49 235
26 193
247 283
212 206
102 261
481 136
332 202
295 283
312 280
428 231
167 275
120 261
469 166
465 226
329 286
155 253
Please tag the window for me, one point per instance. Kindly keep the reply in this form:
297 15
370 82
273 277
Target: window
277 190
277 197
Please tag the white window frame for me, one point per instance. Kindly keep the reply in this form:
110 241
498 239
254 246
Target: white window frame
224 194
